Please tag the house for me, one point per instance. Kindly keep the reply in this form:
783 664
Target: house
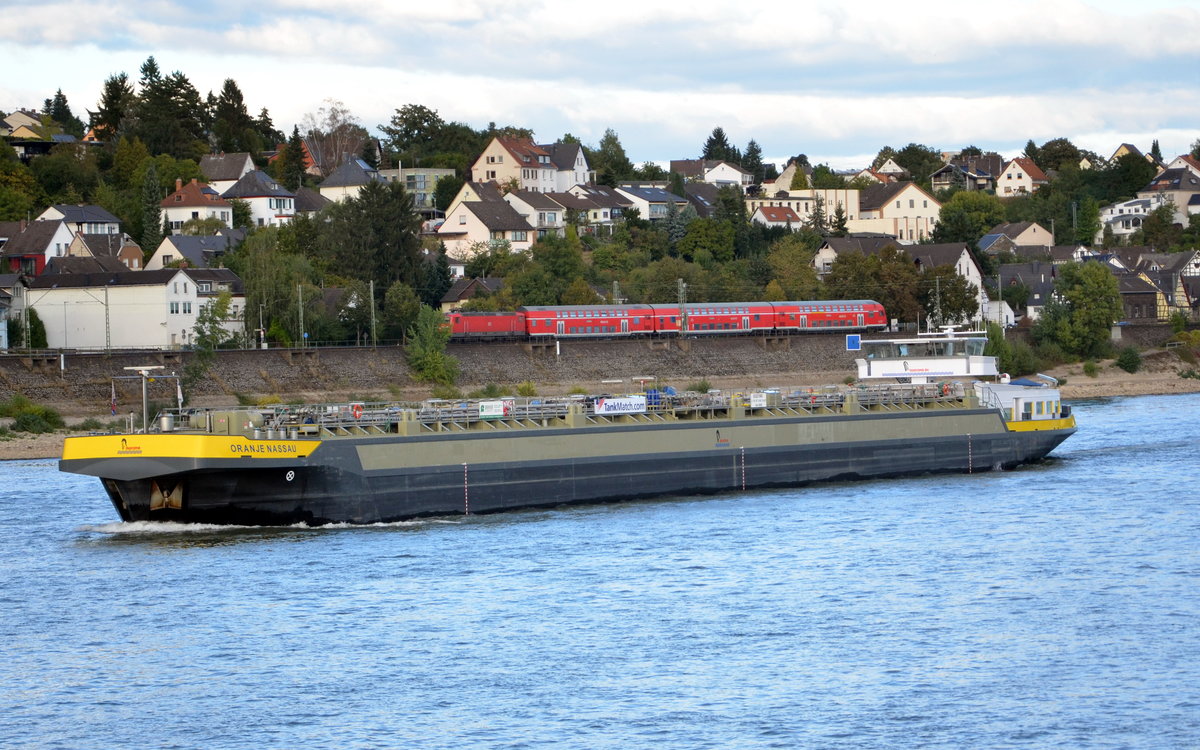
193 251
475 224
1058 254
901 209
832 247
1124 218
516 161
309 202
130 309
118 246
541 210
712 171
30 245
464 289
570 164
270 204
956 255
347 180
1006 236
420 183
975 172
1127 149
1020 177
704 197
1185 161
194 201
1141 300
82 218
223 170
776 216
471 192
650 202
1177 186
891 169
18 118
607 205
1038 277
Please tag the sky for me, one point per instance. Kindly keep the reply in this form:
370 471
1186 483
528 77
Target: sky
834 80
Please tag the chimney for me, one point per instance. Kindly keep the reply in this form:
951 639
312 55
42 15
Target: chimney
24 223
179 184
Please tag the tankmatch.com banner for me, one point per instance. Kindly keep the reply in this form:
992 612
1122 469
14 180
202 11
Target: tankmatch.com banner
621 405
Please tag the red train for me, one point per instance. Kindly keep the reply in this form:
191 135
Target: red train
703 318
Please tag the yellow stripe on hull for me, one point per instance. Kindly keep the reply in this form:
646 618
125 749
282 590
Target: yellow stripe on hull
183 446
1037 425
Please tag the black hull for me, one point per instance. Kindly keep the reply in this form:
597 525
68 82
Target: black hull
338 490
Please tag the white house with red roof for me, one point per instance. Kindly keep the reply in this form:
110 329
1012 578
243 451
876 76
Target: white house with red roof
776 216
194 200
1020 177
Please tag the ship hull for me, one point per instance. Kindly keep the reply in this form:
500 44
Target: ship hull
392 478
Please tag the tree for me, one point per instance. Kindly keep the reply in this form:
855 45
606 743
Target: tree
69 169
650 171
609 160
116 103
1088 223
333 135
169 113
1155 151
838 224
1031 151
919 161
60 112
1159 229
400 309
1090 302
202 227
210 330
233 129
289 167
1195 152
436 279
885 153
354 311
706 241
241 216
817 219
717 146
578 292
799 179
1056 154
673 224
412 133
889 277
752 161
426 350
823 178
791 263
271 276
375 235
445 191
152 195
947 297
967 216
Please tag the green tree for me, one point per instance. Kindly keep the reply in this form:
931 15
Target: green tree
60 112
1159 229
919 161
1057 153
650 171
1090 302
69 168
271 276
838 222
241 216
152 196
717 147
947 297
609 160
1156 151
426 350
169 113
799 179
205 227
412 132
289 167
445 191
578 292
20 193
375 235
233 129
889 277
1088 223
706 241
823 178
752 161
117 102
967 216
400 309
791 263
436 278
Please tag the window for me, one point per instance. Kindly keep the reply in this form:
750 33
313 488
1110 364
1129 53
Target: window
462 218
203 286
174 308
187 308
195 214
912 203
491 174
519 236
175 288
185 289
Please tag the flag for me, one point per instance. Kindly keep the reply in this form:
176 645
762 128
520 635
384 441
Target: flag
112 403
179 393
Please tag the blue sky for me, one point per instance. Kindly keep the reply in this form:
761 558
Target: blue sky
834 80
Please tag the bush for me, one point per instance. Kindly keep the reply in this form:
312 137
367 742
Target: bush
1190 373
1052 354
14 406
1179 322
31 422
1022 360
526 389
578 391
91 424
448 392
700 386
1091 369
1129 359
491 390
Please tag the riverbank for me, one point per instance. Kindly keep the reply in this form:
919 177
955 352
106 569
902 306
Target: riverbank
1158 376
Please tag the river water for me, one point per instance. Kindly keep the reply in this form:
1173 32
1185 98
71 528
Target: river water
1052 606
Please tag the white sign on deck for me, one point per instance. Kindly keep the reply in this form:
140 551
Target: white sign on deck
621 405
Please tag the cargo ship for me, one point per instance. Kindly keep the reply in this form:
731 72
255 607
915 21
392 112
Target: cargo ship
364 463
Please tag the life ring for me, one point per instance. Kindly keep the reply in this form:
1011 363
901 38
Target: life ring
945 389
356 411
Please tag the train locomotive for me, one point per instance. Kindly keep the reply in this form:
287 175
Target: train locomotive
694 319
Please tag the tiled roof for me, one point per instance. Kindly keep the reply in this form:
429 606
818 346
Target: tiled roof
353 173
498 216
257 184
84 214
1175 179
310 201
779 214
876 196
84 264
1031 169
539 201
107 245
562 155
193 194
526 152
200 251
34 240
223 166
